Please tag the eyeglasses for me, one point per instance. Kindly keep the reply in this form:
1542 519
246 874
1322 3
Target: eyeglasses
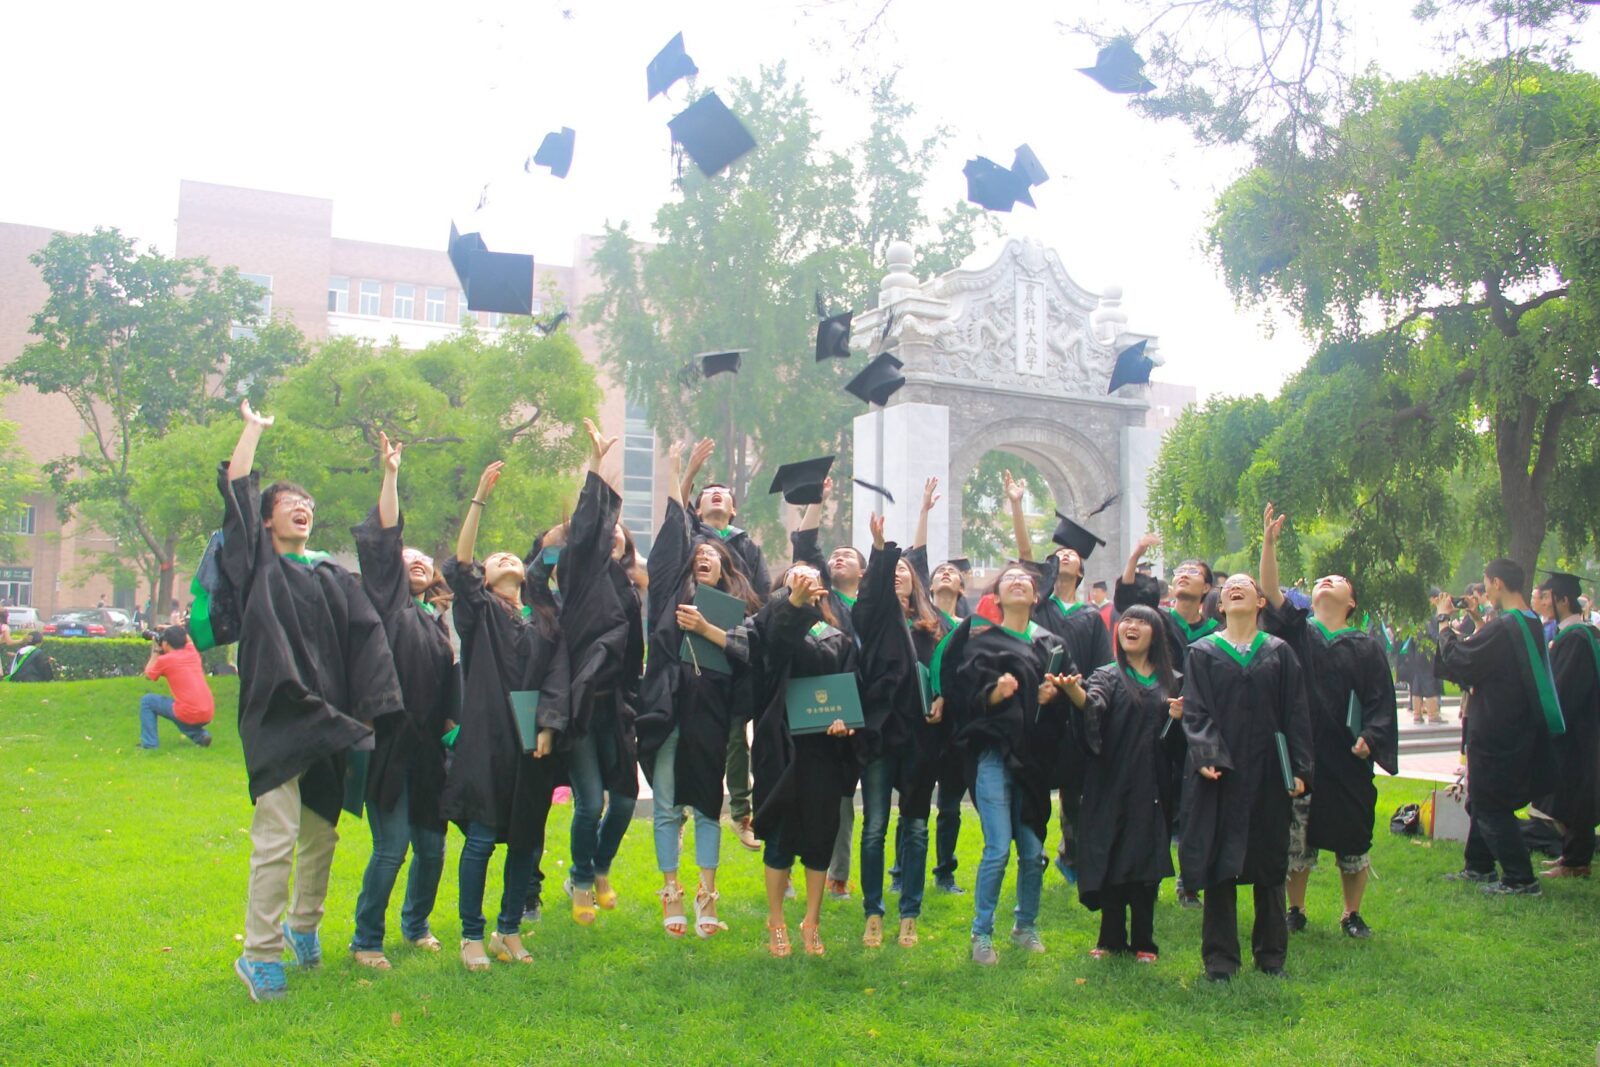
1015 578
290 503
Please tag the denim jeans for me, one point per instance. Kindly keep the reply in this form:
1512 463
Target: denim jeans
877 788
1000 814
947 831
839 867
155 705
1495 835
392 832
474 874
597 828
668 816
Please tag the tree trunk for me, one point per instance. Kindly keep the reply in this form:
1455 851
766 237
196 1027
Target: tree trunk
1520 498
165 578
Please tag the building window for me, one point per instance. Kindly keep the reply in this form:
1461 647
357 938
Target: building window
495 319
464 313
16 586
639 477
339 295
23 522
263 305
370 294
433 304
405 301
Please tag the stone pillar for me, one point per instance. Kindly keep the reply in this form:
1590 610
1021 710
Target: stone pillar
916 447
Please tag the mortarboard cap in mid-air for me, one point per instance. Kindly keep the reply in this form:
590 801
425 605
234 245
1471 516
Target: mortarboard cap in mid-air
801 483
555 152
461 246
499 282
1070 535
960 563
878 380
711 134
1026 166
1118 68
712 364
1133 367
670 64
880 490
833 337
993 187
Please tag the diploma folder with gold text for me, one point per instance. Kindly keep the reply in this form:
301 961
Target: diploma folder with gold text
814 703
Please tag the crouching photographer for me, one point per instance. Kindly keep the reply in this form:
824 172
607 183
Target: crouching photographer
190 707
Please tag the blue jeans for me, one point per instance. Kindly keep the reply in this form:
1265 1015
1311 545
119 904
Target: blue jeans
473 873
668 816
946 833
392 832
1000 814
154 705
877 788
597 829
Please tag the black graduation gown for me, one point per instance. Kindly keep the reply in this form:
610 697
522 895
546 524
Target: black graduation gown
1180 634
1026 735
699 703
36 667
315 668
1510 758
746 553
1334 665
493 780
1088 645
407 748
918 558
797 781
1238 828
1125 826
1575 663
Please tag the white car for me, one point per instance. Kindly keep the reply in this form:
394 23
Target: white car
21 618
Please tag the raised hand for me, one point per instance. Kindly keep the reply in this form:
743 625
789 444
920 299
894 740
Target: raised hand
1271 525
1146 543
1014 489
806 591
599 444
701 452
875 524
930 494
827 487
391 453
1444 604
488 480
252 417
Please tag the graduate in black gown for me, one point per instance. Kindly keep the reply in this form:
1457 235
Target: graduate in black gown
1242 692
1006 719
1341 664
31 663
798 780
1575 665
1126 720
685 707
499 785
315 671
405 779
1510 758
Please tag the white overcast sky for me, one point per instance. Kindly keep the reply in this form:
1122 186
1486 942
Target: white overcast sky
399 112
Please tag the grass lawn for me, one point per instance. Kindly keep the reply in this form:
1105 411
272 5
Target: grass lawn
122 900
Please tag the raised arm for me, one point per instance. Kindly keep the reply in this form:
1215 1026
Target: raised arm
1130 570
1271 526
467 543
675 477
389 491
244 452
697 459
811 514
930 497
1015 491
599 447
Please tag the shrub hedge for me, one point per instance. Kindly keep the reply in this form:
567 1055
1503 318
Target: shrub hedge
78 658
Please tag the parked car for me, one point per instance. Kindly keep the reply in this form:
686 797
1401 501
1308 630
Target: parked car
20 619
74 624
117 622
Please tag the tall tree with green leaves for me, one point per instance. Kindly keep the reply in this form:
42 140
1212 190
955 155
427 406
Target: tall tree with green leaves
18 477
141 345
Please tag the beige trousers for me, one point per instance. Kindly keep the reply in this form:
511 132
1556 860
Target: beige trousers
280 824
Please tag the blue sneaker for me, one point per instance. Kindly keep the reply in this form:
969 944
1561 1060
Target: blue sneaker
264 978
1066 870
307 948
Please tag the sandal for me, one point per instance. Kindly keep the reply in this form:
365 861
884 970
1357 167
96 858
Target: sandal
370 958
507 948
812 938
583 909
474 957
707 926
778 940
606 898
672 896
872 937
427 942
908 933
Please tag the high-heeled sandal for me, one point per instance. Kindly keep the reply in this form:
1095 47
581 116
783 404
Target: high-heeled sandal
707 926
473 956
583 906
872 936
607 899
676 925
369 958
507 951
908 933
778 940
811 937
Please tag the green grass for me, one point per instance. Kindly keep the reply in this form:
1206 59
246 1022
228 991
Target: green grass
122 882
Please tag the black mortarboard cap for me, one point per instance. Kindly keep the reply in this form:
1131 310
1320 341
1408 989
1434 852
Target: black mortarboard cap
1070 535
499 282
670 64
1118 67
461 246
555 152
715 363
711 134
960 563
833 337
1133 367
1563 584
1026 166
993 187
877 381
880 490
801 483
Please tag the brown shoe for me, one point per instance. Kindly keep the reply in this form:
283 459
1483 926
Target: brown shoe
838 890
747 834
1561 870
872 936
908 933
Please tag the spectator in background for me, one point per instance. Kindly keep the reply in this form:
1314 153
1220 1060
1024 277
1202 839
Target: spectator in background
190 707
1101 602
1542 606
101 602
31 664
176 617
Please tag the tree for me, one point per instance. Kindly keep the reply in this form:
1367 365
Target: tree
140 345
18 478
737 263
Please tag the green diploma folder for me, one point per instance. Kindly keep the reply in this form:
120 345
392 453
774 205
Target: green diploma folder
925 687
814 703
722 611
1352 717
356 763
1283 762
525 709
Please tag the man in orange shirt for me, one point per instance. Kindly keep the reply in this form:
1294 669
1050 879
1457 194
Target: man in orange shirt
190 707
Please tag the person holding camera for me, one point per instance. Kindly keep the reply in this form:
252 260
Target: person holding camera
190 707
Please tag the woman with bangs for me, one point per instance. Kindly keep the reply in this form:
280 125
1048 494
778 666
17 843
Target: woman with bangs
1127 721
997 688
798 779
686 706
498 789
